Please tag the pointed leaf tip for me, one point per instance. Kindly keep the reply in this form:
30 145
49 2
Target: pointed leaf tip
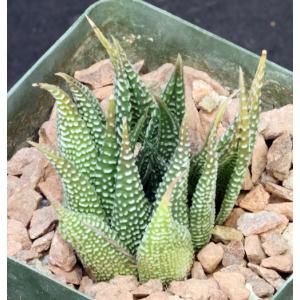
91 22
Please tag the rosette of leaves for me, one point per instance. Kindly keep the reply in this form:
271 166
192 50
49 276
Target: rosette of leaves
144 214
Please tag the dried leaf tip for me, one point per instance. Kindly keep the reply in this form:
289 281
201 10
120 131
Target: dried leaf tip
264 53
91 22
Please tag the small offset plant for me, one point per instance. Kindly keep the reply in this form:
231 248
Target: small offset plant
144 214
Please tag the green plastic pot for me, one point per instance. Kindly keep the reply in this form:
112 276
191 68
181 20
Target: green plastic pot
145 32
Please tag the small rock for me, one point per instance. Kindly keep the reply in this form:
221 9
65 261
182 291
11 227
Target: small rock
85 284
91 289
157 79
22 204
274 244
127 282
43 221
247 273
279 191
247 182
232 110
260 287
233 217
161 296
194 288
16 234
192 118
265 177
259 222
100 73
41 265
210 256
14 184
204 96
103 92
278 229
253 249
233 254
288 182
281 263
47 134
27 255
51 187
233 285
34 172
43 243
61 253
106 291
192 74
284 208
226 234
279 158
197 271
13 247
284 122
209 103
21 159
256 199
206 120
288 236
150 287
259 158
74 276
269 275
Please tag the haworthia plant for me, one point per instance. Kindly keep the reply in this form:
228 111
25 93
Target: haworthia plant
144 213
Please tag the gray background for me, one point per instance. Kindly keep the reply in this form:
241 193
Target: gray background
34 25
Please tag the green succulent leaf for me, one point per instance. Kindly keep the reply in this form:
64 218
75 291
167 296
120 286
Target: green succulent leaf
141 99
122 97
168 132
97 245
173 94
248 123
74 139
105 175
88 107
254 98
138 129
131 210
178 164
166 250
80 195
202 212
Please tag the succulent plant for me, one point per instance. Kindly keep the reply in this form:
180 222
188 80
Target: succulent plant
148 214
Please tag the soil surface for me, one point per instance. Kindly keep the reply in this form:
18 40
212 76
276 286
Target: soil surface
255 25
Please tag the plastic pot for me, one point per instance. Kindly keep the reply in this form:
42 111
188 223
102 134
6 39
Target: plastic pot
145 32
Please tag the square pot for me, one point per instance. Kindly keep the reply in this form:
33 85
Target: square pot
145 32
